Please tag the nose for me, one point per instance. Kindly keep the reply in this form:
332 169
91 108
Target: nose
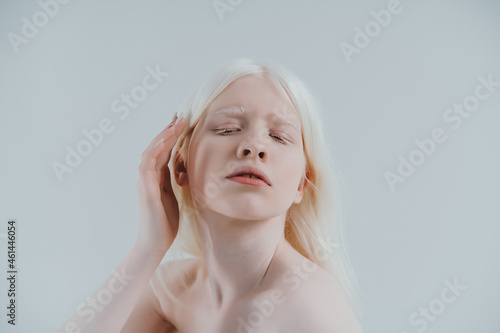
252 147
250 152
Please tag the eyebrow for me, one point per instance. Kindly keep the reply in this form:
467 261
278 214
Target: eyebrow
239 111
234 110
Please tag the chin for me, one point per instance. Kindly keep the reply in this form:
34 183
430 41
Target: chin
245 211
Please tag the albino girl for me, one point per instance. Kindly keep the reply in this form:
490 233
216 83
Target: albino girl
243 184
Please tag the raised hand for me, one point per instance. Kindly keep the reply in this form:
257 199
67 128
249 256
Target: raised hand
158 207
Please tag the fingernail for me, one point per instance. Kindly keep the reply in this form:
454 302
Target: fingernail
172 123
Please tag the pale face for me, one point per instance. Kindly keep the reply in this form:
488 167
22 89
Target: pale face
270 130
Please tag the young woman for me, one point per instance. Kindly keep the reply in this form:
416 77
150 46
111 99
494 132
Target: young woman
243 183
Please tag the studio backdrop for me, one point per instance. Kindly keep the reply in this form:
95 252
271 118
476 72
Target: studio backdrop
411 96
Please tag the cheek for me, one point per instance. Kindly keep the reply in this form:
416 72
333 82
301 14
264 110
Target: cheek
293 160
290 168
204 159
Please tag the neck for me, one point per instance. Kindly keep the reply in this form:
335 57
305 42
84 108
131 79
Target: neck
238 253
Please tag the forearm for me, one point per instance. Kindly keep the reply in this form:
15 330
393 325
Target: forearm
111 305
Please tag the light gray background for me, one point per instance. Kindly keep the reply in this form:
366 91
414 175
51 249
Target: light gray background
441 223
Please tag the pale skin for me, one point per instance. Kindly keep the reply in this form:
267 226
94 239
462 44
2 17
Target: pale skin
249 274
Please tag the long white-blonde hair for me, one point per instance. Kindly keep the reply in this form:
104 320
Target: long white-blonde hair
313 227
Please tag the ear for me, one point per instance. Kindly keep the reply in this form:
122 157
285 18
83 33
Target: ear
180 171
301 189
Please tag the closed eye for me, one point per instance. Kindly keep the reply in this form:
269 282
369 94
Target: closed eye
279 137
226 131
223 131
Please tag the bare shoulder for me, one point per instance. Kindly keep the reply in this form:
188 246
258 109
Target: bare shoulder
173 281
179 275
181 267
154 310
314 301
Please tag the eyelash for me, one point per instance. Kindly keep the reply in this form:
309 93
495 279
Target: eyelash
219 131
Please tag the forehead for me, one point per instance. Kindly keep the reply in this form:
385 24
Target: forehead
251 96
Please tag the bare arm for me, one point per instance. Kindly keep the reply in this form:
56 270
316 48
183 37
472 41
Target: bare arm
125 289
111 305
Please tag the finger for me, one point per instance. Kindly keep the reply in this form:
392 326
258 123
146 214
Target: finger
163 159
156 141
156 157
150 155
164 155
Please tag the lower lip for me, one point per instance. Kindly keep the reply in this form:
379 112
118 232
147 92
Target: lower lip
248 181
